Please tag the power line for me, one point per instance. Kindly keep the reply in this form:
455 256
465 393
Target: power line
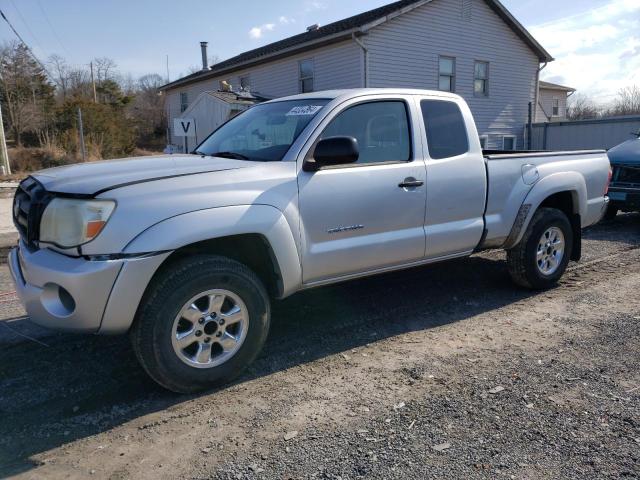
35 39
55 33
29 49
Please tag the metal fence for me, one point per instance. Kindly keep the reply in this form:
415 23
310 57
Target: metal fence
602 133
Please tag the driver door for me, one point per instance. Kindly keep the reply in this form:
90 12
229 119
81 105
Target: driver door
368 215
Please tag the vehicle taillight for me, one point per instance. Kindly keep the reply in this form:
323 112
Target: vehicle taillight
606 187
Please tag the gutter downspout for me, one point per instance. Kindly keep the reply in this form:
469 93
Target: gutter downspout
537 92
365 52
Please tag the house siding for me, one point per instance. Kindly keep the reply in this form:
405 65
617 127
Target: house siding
336 66
404 52
545 105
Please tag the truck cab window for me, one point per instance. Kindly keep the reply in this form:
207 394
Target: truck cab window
381 129
445 127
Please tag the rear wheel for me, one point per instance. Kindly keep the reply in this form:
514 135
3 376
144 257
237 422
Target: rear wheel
201 322
541 257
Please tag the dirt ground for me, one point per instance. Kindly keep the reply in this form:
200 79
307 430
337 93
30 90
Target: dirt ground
446 371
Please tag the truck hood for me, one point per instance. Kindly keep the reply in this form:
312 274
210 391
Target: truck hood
626 153
97 177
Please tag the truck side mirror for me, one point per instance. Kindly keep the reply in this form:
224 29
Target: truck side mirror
333 151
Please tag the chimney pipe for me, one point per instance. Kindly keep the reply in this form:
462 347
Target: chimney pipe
205 61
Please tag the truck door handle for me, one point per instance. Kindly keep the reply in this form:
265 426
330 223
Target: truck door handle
410 183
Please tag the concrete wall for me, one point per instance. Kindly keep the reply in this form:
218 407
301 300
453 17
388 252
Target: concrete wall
584 134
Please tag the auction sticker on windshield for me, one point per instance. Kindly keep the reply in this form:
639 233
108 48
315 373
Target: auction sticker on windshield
304 110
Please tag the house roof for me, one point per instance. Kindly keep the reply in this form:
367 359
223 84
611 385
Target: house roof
236 97
338 31
555 86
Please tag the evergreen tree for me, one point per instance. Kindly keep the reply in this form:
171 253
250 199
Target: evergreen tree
26 94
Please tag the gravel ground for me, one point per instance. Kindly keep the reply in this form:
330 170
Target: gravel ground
446 371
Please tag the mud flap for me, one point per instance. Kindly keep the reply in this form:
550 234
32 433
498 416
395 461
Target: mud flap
576 248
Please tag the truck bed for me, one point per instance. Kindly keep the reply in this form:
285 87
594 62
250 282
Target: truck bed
512 176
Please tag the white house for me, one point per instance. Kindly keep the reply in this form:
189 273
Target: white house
475 48
552 102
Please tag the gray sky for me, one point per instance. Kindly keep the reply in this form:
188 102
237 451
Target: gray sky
596 43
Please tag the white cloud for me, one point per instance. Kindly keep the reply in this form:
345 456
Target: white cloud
257 32
315 5
286 20
597 52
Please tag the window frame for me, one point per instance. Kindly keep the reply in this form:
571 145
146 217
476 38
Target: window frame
301 79
248 79
555 100
184 101
425 135
484 94
514 143
452 75
333 114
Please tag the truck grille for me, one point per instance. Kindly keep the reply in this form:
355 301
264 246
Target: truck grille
28 205
626 175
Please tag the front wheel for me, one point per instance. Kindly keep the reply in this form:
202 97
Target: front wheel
542 256
202 320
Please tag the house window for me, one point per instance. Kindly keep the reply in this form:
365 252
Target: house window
305 75
484 140
555 107
481 79
447 74
245 83
509 142
184 101
445 127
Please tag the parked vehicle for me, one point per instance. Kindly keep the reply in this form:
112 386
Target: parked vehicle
624 191
185 251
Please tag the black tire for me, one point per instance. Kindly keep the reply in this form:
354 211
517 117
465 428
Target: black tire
521 259
173 286
611 212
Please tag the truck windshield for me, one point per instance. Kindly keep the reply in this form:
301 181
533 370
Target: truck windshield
264 132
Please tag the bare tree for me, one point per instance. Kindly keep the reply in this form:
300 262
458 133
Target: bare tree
147 108
581 107
60 71
105 69
627 102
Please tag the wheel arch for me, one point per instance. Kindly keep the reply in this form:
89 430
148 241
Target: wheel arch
256 235
565 191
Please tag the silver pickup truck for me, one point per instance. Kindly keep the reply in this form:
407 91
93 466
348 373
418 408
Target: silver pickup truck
184 252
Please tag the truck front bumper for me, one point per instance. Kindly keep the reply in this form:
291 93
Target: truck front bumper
80 295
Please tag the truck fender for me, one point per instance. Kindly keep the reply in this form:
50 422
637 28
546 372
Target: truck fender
571 182
208 224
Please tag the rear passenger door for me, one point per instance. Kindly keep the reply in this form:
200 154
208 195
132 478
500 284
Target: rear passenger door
456 178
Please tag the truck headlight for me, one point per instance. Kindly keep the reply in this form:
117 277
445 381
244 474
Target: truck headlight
69 222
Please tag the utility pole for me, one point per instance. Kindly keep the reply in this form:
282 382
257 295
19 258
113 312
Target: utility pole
81 131
93 83
168 68
3 149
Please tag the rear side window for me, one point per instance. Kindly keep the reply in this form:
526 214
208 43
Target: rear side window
446 130
381 128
